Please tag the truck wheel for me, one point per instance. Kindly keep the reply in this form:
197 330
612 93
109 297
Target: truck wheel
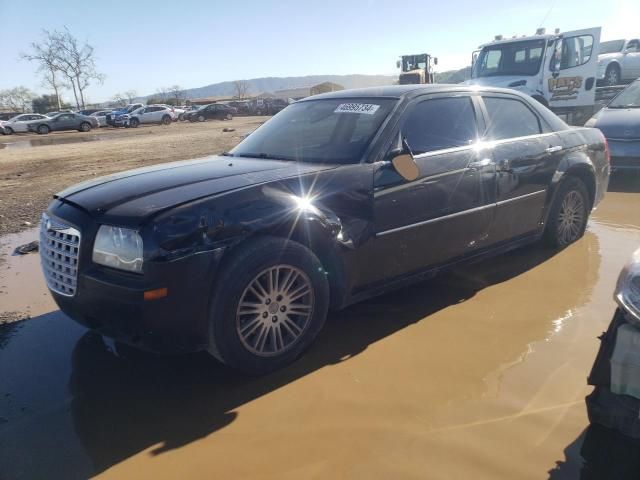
270 302
569 214
166 120
85 127
43 130
612 75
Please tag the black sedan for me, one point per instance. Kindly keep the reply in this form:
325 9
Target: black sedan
64 121
213 111
338 198
619 121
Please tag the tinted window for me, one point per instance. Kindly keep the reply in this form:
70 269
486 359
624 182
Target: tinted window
440 123
510 118
512 58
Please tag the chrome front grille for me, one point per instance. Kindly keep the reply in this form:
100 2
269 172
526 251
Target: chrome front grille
59 251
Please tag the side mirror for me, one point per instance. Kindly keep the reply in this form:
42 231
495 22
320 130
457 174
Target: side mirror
404 163
435 60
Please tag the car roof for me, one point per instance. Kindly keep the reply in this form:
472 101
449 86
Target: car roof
400 91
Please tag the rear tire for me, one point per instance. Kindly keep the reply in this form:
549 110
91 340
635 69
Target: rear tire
8 130
568 215
228 116
85 127
43 129
201 118
166 120
134 122
260 327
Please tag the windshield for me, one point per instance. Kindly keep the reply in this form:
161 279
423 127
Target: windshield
628 98
324 131
612 46
514 58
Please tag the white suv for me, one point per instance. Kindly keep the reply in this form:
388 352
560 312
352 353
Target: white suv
149 114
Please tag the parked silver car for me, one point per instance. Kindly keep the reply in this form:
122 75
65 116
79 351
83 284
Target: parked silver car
618 61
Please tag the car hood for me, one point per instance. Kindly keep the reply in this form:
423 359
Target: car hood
619 123
135 195
605 57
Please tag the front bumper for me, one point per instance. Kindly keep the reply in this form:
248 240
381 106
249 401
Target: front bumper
625 155
112 301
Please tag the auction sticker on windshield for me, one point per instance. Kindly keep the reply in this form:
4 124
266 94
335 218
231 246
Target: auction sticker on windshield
366 108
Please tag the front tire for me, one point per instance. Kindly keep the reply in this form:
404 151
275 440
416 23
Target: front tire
612 75
569 214
201 118
85 127
134 122
9 130
43 130
166 120
270 302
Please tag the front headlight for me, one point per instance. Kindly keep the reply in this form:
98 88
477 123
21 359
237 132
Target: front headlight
118 248
628 288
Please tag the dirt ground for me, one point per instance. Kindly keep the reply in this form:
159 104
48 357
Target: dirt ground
34 167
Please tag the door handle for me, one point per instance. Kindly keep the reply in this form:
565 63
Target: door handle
473 166
554 149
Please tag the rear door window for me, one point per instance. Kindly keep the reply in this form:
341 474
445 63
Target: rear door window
509 118
440 123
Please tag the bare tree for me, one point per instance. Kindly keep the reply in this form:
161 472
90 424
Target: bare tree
76 61
242 89
130 95
17 99
44 53
163 92
177 92
120 99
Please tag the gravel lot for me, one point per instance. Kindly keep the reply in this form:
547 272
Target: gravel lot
34 167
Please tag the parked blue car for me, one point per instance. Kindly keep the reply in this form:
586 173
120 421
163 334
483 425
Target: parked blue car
619 121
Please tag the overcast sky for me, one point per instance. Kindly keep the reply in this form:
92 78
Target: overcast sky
144 45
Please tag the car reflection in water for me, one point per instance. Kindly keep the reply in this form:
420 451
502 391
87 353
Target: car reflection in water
125 401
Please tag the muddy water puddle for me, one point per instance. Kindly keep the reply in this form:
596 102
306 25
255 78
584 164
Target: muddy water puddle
53 139
479 373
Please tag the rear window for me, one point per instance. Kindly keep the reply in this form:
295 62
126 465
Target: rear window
510 118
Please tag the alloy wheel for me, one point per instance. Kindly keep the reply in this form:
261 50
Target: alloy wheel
571 217
612 77
275 310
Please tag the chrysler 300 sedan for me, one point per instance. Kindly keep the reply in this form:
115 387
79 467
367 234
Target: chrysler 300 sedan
337 198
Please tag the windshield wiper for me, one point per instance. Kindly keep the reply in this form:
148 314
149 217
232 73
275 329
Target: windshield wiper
266 156
630 105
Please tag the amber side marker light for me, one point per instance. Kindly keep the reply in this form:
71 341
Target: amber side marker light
156 294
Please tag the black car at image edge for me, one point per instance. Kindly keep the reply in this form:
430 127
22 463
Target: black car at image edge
337 198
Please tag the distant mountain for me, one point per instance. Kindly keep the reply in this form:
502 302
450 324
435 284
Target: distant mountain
272 84
454 76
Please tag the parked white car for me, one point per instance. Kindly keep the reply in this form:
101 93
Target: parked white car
149 114
101 116
618 61
20 123
178 112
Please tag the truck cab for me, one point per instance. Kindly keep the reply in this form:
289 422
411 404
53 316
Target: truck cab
559 70
416 69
